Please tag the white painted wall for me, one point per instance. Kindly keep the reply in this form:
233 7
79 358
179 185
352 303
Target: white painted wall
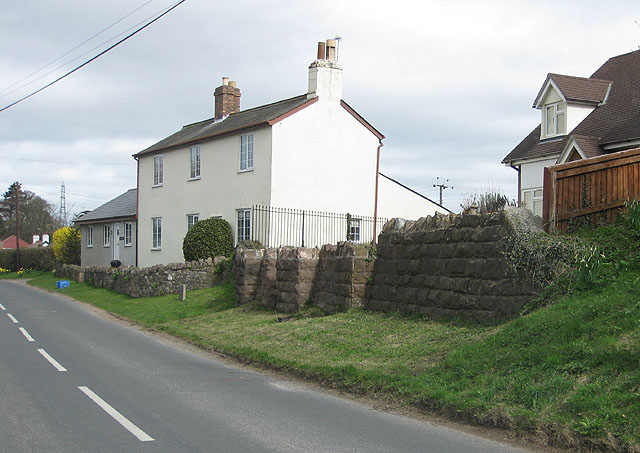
324 159
395 200
576 114
532 174
221 189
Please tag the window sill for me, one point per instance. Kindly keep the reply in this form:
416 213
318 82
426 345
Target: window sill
90 246
106 246
156 249
128 245
157 185
245 170
197 178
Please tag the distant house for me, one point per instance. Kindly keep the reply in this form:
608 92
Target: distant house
10 243
109 232
580 118
308 152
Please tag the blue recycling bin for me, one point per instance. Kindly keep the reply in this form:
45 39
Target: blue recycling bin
62 284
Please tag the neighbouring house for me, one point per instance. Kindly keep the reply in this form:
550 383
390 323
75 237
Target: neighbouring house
311 152
580 118
109 232
11 243
38 241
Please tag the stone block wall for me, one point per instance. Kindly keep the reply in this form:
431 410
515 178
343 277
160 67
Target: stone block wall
448 266
342 276
287 279
150 281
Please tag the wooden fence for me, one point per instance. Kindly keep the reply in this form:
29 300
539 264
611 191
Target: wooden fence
590 191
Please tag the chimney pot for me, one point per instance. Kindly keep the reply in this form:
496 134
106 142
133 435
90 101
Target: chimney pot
331 49
225 81
232 84
321 51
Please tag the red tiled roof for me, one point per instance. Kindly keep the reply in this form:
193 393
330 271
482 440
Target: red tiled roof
10 242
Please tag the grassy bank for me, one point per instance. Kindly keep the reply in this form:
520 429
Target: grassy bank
567 373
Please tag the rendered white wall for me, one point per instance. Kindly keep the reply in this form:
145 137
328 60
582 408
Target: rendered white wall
221 189
532 174
576 114
397 201
324 159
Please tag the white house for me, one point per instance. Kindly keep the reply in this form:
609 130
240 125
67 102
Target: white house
580 118
109 232
311 152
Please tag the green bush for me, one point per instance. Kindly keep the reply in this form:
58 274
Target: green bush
207 239
37 258
66 245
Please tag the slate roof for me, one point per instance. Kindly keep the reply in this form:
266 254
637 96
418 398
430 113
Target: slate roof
578 89
120 207
203 130
615 121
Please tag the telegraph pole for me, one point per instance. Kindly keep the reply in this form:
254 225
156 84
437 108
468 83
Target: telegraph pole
442 184
17 189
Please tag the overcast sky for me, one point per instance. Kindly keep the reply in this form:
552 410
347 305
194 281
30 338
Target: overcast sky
449 83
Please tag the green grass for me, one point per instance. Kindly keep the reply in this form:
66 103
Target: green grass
22 275
568 372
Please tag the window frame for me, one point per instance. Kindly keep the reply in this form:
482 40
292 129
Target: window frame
156 233
243 225
557 109
106 235
158 170
89 236
190 221
355 229
128 234
535 200
246 152
195 162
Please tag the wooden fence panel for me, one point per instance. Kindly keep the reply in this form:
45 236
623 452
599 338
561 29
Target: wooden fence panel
590 191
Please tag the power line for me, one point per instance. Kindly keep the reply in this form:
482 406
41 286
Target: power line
61 161
4 92
93 58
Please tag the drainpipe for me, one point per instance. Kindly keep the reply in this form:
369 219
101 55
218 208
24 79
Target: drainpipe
137 202
375 205
519 183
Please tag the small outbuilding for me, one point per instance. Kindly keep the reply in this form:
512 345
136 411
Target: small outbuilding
109 232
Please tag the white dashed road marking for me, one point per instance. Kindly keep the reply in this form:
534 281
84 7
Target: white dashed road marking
51 360
15 321
26 334
133 429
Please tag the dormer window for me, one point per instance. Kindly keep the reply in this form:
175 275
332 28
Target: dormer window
555 119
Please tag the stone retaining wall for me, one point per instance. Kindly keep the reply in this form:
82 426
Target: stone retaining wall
449 266
150 281
287 279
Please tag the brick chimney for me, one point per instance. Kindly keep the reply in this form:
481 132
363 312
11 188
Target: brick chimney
325 74
227 99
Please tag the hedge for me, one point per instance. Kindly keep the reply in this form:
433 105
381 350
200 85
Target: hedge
37 258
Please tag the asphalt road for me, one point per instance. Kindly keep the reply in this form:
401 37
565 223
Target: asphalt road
73 380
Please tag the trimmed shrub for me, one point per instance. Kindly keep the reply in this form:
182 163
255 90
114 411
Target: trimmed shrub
37 258
207 239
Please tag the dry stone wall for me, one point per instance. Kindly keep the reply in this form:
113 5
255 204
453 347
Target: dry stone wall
150 281
449 266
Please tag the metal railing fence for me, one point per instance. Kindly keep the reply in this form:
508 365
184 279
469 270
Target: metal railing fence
275 227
